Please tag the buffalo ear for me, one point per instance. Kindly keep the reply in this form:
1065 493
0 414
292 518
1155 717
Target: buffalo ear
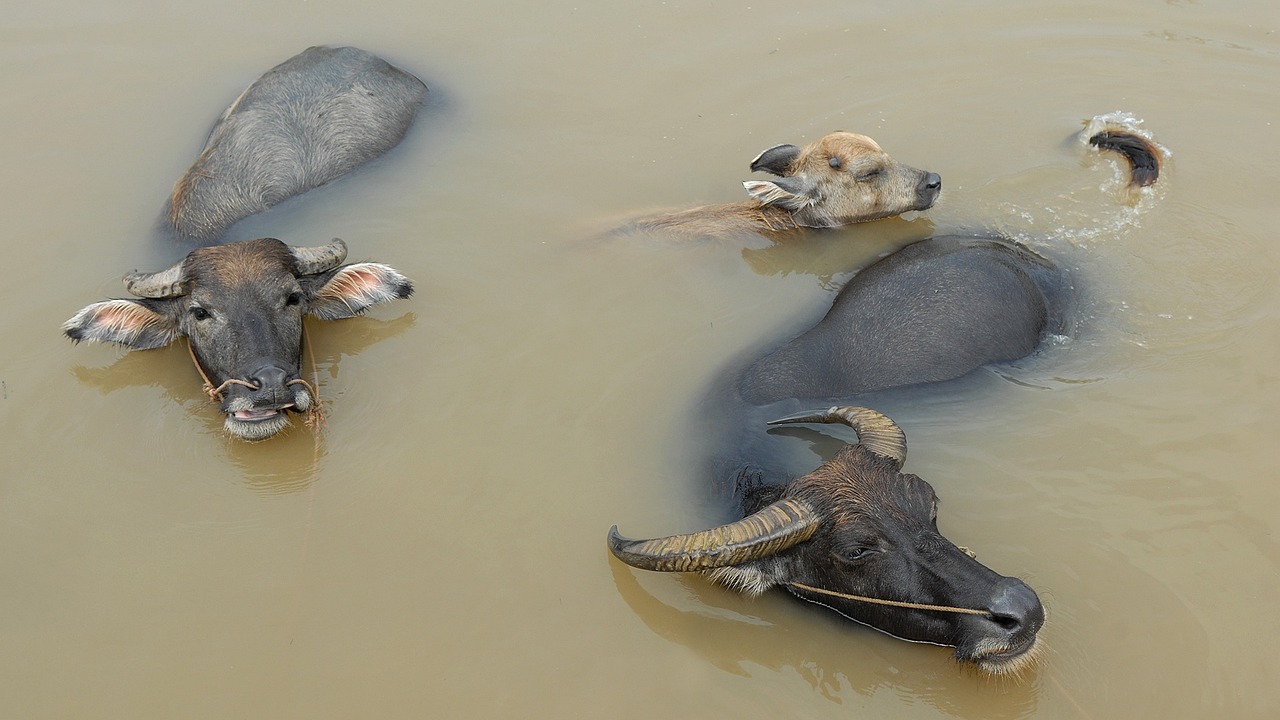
776 160
136 324
791 193
349 290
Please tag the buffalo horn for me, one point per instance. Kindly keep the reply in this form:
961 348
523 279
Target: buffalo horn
876 432
315 260
766 532
156 285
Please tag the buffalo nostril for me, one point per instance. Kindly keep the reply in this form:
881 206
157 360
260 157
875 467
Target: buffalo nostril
1014 606
269 376
1008 622
932 181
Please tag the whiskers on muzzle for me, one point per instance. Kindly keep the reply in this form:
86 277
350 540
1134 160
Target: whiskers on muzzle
998 658
260 413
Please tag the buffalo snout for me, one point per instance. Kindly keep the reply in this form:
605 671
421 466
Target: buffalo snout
1016 607
927 190
269 378
1004 640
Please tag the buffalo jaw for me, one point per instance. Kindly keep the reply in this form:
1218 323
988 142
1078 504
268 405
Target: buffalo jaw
254 416
1002 640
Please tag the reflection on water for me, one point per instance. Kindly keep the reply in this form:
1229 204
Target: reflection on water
724 629
831 255
287 464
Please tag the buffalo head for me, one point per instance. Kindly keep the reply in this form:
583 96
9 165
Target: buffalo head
857 532
240 306
842 178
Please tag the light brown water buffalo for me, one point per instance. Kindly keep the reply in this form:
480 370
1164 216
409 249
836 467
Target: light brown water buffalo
842 178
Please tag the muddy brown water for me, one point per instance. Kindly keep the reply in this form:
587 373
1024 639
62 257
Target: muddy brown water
440 551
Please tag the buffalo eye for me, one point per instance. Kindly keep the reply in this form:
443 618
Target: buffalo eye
199 313
853 555
870 175
293 298
834 162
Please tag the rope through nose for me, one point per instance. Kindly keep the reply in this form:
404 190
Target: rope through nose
891 603
214 393
315 416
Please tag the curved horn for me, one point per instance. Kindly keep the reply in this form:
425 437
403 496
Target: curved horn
877 432
164 284
315 260
766 532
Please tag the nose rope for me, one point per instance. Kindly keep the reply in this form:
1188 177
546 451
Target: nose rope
214 393
891 603
315 416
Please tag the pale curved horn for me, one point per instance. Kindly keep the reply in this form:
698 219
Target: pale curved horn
877 432
766 532
315 260
164 284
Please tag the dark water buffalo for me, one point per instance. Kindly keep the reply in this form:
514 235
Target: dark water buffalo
240 305
934 311
842 178
853 532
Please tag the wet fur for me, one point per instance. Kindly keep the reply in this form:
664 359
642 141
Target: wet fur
840 179
304 123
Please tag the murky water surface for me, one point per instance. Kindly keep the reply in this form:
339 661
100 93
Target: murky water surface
439 551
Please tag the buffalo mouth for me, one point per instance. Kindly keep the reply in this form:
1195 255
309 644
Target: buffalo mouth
253 415
252 422
260 412
926 199
1003 658
257 424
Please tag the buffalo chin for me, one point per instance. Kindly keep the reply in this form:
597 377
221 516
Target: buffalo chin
997 659
256 429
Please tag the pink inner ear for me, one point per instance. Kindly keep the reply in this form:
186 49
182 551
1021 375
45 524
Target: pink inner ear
363 283
123 316
361 280
352 283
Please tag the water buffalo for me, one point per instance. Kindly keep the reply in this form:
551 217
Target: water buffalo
240 305
933 311
305 122
842 178
860 537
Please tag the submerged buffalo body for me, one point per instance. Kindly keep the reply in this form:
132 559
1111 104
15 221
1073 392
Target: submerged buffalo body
932 311
306 122
856 531
240 305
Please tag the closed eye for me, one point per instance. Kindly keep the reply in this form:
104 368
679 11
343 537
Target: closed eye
853 555
870 175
